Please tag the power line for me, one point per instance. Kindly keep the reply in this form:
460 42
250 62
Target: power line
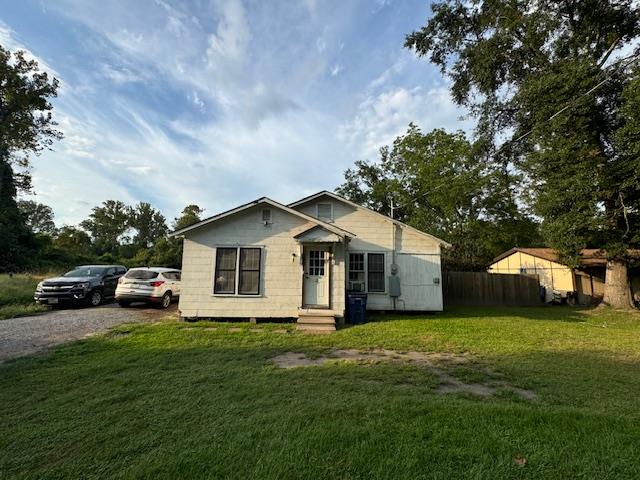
631 58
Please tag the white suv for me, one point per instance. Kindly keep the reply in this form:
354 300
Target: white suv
148 284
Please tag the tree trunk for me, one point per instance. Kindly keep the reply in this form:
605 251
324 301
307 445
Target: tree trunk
616 287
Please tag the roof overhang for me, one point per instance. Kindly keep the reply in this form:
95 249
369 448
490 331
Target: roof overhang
261 201
319 234
355 205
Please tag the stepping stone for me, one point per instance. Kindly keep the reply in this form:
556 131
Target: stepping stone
235 329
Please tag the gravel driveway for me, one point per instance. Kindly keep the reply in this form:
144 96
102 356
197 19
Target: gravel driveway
27 335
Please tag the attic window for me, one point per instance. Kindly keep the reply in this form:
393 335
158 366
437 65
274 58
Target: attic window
266 215
325 212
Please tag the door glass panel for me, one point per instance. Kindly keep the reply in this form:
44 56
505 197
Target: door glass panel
316 262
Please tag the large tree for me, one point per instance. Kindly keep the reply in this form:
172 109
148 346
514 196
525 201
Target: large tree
551 88
107 225
38 216
73 241
440 182
168 251
26 128
149 224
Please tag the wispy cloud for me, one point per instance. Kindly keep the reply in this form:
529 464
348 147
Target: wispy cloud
224 101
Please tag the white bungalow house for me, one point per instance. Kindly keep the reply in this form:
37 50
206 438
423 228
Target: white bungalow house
269 260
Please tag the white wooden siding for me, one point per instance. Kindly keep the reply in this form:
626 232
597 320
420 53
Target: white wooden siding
281 275
374 233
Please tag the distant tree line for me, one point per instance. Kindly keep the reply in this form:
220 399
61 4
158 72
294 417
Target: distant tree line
113 233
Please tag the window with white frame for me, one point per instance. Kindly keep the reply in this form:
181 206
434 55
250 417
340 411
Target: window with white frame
356 272
375 272
325 211
366 272
237 271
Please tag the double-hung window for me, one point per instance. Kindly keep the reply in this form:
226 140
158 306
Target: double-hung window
366 272
237 271
357 281
375 272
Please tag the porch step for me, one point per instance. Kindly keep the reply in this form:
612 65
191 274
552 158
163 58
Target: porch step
317 322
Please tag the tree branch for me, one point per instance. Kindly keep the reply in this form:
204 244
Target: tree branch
608 52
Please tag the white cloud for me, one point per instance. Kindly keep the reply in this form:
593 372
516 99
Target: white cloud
223 105
380 118
229 43
9 41
120 75
195 99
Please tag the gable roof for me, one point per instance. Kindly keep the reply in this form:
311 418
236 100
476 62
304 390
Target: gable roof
341 232
355 205
588 256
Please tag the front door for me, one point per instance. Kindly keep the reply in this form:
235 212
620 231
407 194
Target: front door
316 276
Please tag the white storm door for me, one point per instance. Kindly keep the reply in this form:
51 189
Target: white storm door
316 277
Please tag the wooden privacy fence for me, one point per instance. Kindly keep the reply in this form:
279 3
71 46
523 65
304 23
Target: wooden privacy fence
490 289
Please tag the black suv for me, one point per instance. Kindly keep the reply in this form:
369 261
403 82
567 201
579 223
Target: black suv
89 284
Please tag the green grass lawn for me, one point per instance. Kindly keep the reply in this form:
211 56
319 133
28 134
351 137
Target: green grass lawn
180 400
16 295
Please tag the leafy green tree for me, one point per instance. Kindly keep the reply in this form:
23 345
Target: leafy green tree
544 74
167 251
149 224
107 225
26 128
39 217
440 182
73 241
190 215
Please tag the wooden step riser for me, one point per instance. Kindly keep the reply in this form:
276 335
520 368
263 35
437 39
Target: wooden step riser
316 328
317 320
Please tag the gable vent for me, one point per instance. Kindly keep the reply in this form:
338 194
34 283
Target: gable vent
325 212
266 216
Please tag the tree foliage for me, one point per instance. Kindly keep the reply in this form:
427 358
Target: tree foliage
550 77
107 225
149 225
26 128
441 183
515 65
38 216
73 241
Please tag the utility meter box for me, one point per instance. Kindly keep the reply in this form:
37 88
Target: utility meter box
394 286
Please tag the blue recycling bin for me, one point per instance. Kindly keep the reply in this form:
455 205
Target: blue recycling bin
356 308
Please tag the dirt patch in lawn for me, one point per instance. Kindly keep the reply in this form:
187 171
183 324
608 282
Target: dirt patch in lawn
442 365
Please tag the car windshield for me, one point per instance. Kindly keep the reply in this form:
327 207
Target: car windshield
86 272
141 274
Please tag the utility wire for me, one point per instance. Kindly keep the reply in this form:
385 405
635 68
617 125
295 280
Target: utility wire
631 58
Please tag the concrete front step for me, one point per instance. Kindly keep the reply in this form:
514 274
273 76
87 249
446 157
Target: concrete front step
311 328
317 321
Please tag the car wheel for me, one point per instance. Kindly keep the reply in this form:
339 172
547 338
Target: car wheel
95 298
166 300
124 303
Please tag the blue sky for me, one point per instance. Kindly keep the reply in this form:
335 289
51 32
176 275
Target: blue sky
221 102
